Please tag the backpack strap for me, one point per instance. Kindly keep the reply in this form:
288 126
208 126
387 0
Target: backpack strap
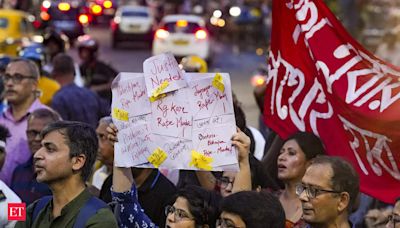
42 202
88 210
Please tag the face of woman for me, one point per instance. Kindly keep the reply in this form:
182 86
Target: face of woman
179 215
292 162
226 183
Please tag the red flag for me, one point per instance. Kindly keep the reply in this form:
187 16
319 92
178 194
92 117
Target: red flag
321 80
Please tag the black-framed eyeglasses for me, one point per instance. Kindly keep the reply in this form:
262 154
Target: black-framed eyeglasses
179 214
225 223
393 219
16 78
32 134
223 182
312 192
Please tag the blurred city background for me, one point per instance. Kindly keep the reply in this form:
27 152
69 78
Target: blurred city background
238 31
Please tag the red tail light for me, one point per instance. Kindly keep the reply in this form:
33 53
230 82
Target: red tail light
162 33
96 9
201 34
63 6
44 16
258 80
83 19
107 4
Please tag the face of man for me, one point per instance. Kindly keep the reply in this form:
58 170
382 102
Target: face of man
52 48
52 161
20 85
324 208
106 150
84 54
35 126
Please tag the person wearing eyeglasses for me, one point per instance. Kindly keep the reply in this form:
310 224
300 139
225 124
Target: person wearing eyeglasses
20 83
394 218
292 161
24 181
194 207
251 209
328 192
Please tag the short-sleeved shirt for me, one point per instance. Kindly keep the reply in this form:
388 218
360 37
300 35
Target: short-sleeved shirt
103 218
96 74
155 194
75 103
17 148
48 87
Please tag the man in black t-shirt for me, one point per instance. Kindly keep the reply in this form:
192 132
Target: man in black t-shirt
97 75
155 192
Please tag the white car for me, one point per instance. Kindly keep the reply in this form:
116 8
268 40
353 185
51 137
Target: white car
132 23
182 35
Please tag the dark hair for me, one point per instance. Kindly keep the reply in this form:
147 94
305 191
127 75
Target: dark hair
309 143
81 138
203 204
259 176
63 64
45 113
344 179
4 133
256 209
32 67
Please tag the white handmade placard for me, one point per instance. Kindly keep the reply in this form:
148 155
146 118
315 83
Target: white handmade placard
208 101
189 126
172 115
162 75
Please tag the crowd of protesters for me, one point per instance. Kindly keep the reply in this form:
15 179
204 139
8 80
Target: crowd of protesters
58 158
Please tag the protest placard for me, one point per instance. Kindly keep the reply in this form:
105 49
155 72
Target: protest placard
162 75
188 127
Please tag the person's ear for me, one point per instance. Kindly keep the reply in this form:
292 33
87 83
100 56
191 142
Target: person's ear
344 201
78 162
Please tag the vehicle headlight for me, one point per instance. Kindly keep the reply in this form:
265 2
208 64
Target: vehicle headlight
9 41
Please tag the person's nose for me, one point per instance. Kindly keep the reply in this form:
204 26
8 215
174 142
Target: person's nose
303 196
171 217
38 154
229 186
37 137
281 157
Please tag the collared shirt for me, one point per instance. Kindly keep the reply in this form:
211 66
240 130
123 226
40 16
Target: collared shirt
103 218
24 183
79 104
17 145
